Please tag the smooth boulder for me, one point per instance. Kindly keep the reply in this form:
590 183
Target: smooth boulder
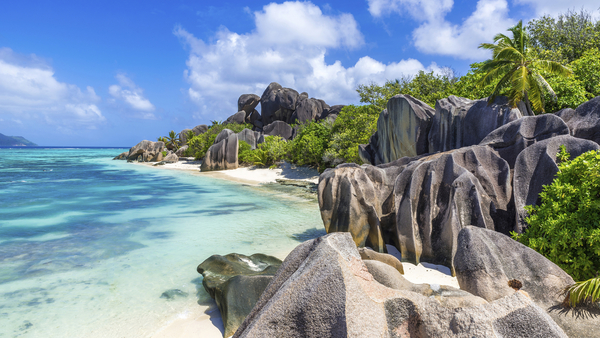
278 128
222 155
146 151
249 136
372 255
183 136
238 118
308 110
584 121
247 102
278 103
200 129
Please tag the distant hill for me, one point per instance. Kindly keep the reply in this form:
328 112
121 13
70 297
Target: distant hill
15 141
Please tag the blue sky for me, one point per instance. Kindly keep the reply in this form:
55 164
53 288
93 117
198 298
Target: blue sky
112 73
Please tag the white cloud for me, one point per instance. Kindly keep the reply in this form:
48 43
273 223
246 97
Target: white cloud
556 7
420 10
132 95
288 46
29 91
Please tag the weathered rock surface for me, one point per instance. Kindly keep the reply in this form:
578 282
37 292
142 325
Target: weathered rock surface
146 151
171 158
459 122
278 128
323 289
536 166
222 155
248 102
200 129
331 113
584 122
183 136
249 136
181 150
368 254
239 118
402 130
225 133
236 283
122 156
486 260
510 139
278 103
308 110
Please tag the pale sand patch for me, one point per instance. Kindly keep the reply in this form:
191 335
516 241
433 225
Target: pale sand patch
201 321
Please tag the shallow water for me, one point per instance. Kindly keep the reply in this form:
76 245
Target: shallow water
88 245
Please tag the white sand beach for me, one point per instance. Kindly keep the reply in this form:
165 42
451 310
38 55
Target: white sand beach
205 321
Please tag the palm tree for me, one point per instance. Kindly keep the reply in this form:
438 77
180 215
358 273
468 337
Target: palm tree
172 140
518 70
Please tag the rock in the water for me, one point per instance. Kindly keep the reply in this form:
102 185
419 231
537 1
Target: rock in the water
121 156
249 136
402 131
324 289
436 196
460 122
536 166
236 283
222 155
278 128
584 122
247 102
173 293
510 139
181 150
200 129
278 103
183 136
148 150
308 110
486 260
171 158
239 118
368 254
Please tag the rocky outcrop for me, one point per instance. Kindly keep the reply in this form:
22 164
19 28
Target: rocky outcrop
171 158
278 103
459 122
536 166
249 136
236 282
183 136
121 156
278 128
486 260
248 103
308 110
402 130
181 150
584 122
222 155
324 289
200 129
239 118
371 255
331 113
510 139
225 133
146 151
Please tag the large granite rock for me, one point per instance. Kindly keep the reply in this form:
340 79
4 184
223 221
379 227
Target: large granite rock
181 150
239 118
324 289
222 155
510 139
278 128
225 133
183 136
200 129
278 103
236 282
486 260
171 158
459 122
248 102
146 151
331 113
249 136
371 255
308 110
536 166
438 195
584 122
402 131
122 156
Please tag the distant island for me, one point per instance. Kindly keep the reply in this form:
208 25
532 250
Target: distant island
15 141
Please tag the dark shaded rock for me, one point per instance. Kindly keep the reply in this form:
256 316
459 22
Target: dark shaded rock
121 156
368 254
173 293
239 118
486 260
277 103
146 151
436 196
249 136
200 129
253 117
308 110
459 122
402 130
332 111
536 166
278 128
222 155
584 122
247 103
510 139
183 136
303 95
324 289
236 283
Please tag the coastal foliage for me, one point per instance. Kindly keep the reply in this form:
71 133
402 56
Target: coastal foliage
273 150
172 140
566 226
198 145
309 146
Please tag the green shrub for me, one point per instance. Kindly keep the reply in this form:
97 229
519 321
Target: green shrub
274 149
245 155
566 226
310 144
164 153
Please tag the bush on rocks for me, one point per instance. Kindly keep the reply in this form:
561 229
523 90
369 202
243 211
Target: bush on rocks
309 146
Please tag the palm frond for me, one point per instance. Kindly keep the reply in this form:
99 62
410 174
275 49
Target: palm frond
496 70
519 84
583 292
503 81
552 67
544 84
509 53
536 99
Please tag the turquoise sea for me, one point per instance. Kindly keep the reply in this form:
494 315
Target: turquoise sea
88 244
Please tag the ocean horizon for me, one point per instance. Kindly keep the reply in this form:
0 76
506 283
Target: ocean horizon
89 245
